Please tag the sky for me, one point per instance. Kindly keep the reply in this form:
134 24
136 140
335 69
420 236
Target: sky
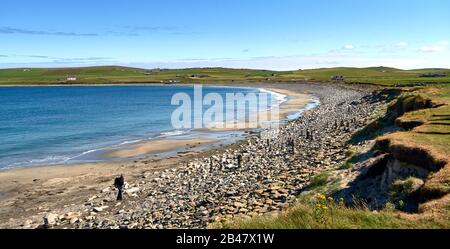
260 34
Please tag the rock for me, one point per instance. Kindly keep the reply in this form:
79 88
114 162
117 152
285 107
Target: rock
50 219
231 193
106 190
99 209
243 210
269 201
73 220
257 203
238 204
259 191
27 224
69 216
282 190
132 190
274 187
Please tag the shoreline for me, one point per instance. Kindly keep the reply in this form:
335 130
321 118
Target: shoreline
213 174
221 84
296 103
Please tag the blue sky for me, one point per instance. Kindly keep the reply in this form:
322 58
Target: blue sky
277 34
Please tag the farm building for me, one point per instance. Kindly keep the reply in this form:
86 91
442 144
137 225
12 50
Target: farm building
71 78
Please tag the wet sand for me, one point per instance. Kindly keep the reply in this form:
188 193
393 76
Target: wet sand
158 146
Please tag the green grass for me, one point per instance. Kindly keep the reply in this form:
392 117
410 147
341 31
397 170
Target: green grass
303 216
118 74
319 180
374 75
435 131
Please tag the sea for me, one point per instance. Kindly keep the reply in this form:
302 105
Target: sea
45 125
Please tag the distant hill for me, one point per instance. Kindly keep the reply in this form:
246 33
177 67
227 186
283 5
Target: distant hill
119 74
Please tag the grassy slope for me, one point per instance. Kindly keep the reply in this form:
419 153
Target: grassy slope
117 74
433 136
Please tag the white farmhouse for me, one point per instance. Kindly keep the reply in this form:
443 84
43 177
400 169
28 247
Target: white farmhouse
71 78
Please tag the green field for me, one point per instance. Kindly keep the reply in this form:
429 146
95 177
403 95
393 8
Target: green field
118 74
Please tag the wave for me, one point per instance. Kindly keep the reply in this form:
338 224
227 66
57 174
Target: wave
277 96
130 142
50 159
173 133
85 153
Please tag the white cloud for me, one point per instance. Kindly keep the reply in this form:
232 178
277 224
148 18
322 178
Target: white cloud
348 47
436 47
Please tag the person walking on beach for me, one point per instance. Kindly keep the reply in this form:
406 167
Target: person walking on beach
119 183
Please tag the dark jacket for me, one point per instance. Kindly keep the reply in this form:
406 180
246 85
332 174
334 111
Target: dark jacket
119 182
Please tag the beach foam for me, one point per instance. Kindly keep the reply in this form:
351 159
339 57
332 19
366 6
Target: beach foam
173 133
277 96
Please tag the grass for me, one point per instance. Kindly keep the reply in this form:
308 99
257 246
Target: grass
304 216
376 75
117 74
433 136
319 180
351 158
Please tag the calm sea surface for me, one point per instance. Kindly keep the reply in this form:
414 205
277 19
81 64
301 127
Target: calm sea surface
53 125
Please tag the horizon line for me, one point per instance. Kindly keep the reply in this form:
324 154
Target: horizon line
218 67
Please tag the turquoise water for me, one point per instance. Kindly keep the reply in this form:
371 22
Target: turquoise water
54 125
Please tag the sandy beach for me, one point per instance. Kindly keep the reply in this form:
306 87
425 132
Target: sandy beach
295 102
32 191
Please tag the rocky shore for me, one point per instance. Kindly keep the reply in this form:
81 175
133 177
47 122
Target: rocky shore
259 175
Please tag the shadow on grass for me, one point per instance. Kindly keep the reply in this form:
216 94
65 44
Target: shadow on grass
378 127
